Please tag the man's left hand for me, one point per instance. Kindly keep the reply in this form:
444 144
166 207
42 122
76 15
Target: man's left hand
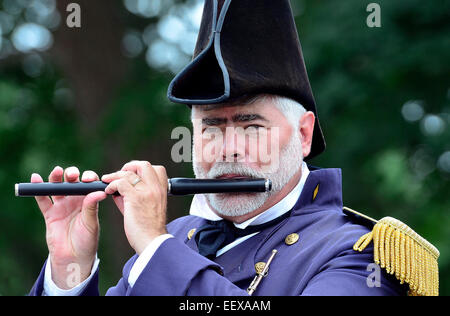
142 201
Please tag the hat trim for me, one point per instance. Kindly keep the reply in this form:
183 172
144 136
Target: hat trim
216 29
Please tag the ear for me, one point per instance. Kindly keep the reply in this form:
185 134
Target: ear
306 131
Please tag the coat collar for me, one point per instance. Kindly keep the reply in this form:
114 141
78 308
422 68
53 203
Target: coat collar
323 189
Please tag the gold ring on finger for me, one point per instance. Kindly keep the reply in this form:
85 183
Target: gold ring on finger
136 181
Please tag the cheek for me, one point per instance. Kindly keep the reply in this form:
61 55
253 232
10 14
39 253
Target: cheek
266 151
284 135
255 147
282 139
198 149
204 152
197 141
269 141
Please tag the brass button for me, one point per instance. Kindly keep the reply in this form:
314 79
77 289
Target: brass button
191 233
259 267
291 239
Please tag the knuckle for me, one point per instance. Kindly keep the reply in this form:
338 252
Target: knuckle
114 186
159 191
128 164
161 169
158 167
129 174
146 164
152 194
114 174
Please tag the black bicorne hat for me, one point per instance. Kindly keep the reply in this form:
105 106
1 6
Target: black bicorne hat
247 47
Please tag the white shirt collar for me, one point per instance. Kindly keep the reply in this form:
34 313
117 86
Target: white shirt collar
200 208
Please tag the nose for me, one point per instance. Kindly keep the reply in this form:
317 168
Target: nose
233 148
231 157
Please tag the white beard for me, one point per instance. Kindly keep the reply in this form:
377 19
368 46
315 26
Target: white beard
238 204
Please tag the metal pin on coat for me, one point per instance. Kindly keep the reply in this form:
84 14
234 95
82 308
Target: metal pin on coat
260 275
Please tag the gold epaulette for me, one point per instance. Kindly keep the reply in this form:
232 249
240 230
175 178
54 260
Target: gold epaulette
403 253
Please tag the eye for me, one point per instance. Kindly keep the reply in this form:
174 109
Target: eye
253 127
212 129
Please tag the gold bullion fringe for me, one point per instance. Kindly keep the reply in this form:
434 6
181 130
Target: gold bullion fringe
403 252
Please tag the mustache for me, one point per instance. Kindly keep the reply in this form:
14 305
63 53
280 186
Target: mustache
221 168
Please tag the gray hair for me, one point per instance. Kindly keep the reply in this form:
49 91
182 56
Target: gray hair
292 110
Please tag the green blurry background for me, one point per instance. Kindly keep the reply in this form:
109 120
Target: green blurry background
95 97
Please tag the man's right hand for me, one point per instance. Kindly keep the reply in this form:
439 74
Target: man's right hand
72 227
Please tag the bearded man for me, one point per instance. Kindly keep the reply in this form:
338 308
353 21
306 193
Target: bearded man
247 80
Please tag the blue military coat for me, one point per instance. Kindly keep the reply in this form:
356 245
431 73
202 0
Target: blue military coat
321 262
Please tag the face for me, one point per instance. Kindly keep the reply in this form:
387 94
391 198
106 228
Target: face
251 141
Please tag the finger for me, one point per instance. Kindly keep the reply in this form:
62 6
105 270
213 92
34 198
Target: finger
89 176
143 169
36 178
72 174
89 210
131 165
118 200
109 177
129 175
123 186
56 176
162 176
44 202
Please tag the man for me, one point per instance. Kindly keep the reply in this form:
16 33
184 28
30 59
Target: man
322 262
247 80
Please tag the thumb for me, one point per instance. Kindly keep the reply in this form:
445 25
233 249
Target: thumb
89 209
118 200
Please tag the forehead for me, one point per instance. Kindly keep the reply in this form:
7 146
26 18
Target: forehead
265 108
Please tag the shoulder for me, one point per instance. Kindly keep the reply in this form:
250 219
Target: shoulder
403 254
326 240
322 260
329 228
